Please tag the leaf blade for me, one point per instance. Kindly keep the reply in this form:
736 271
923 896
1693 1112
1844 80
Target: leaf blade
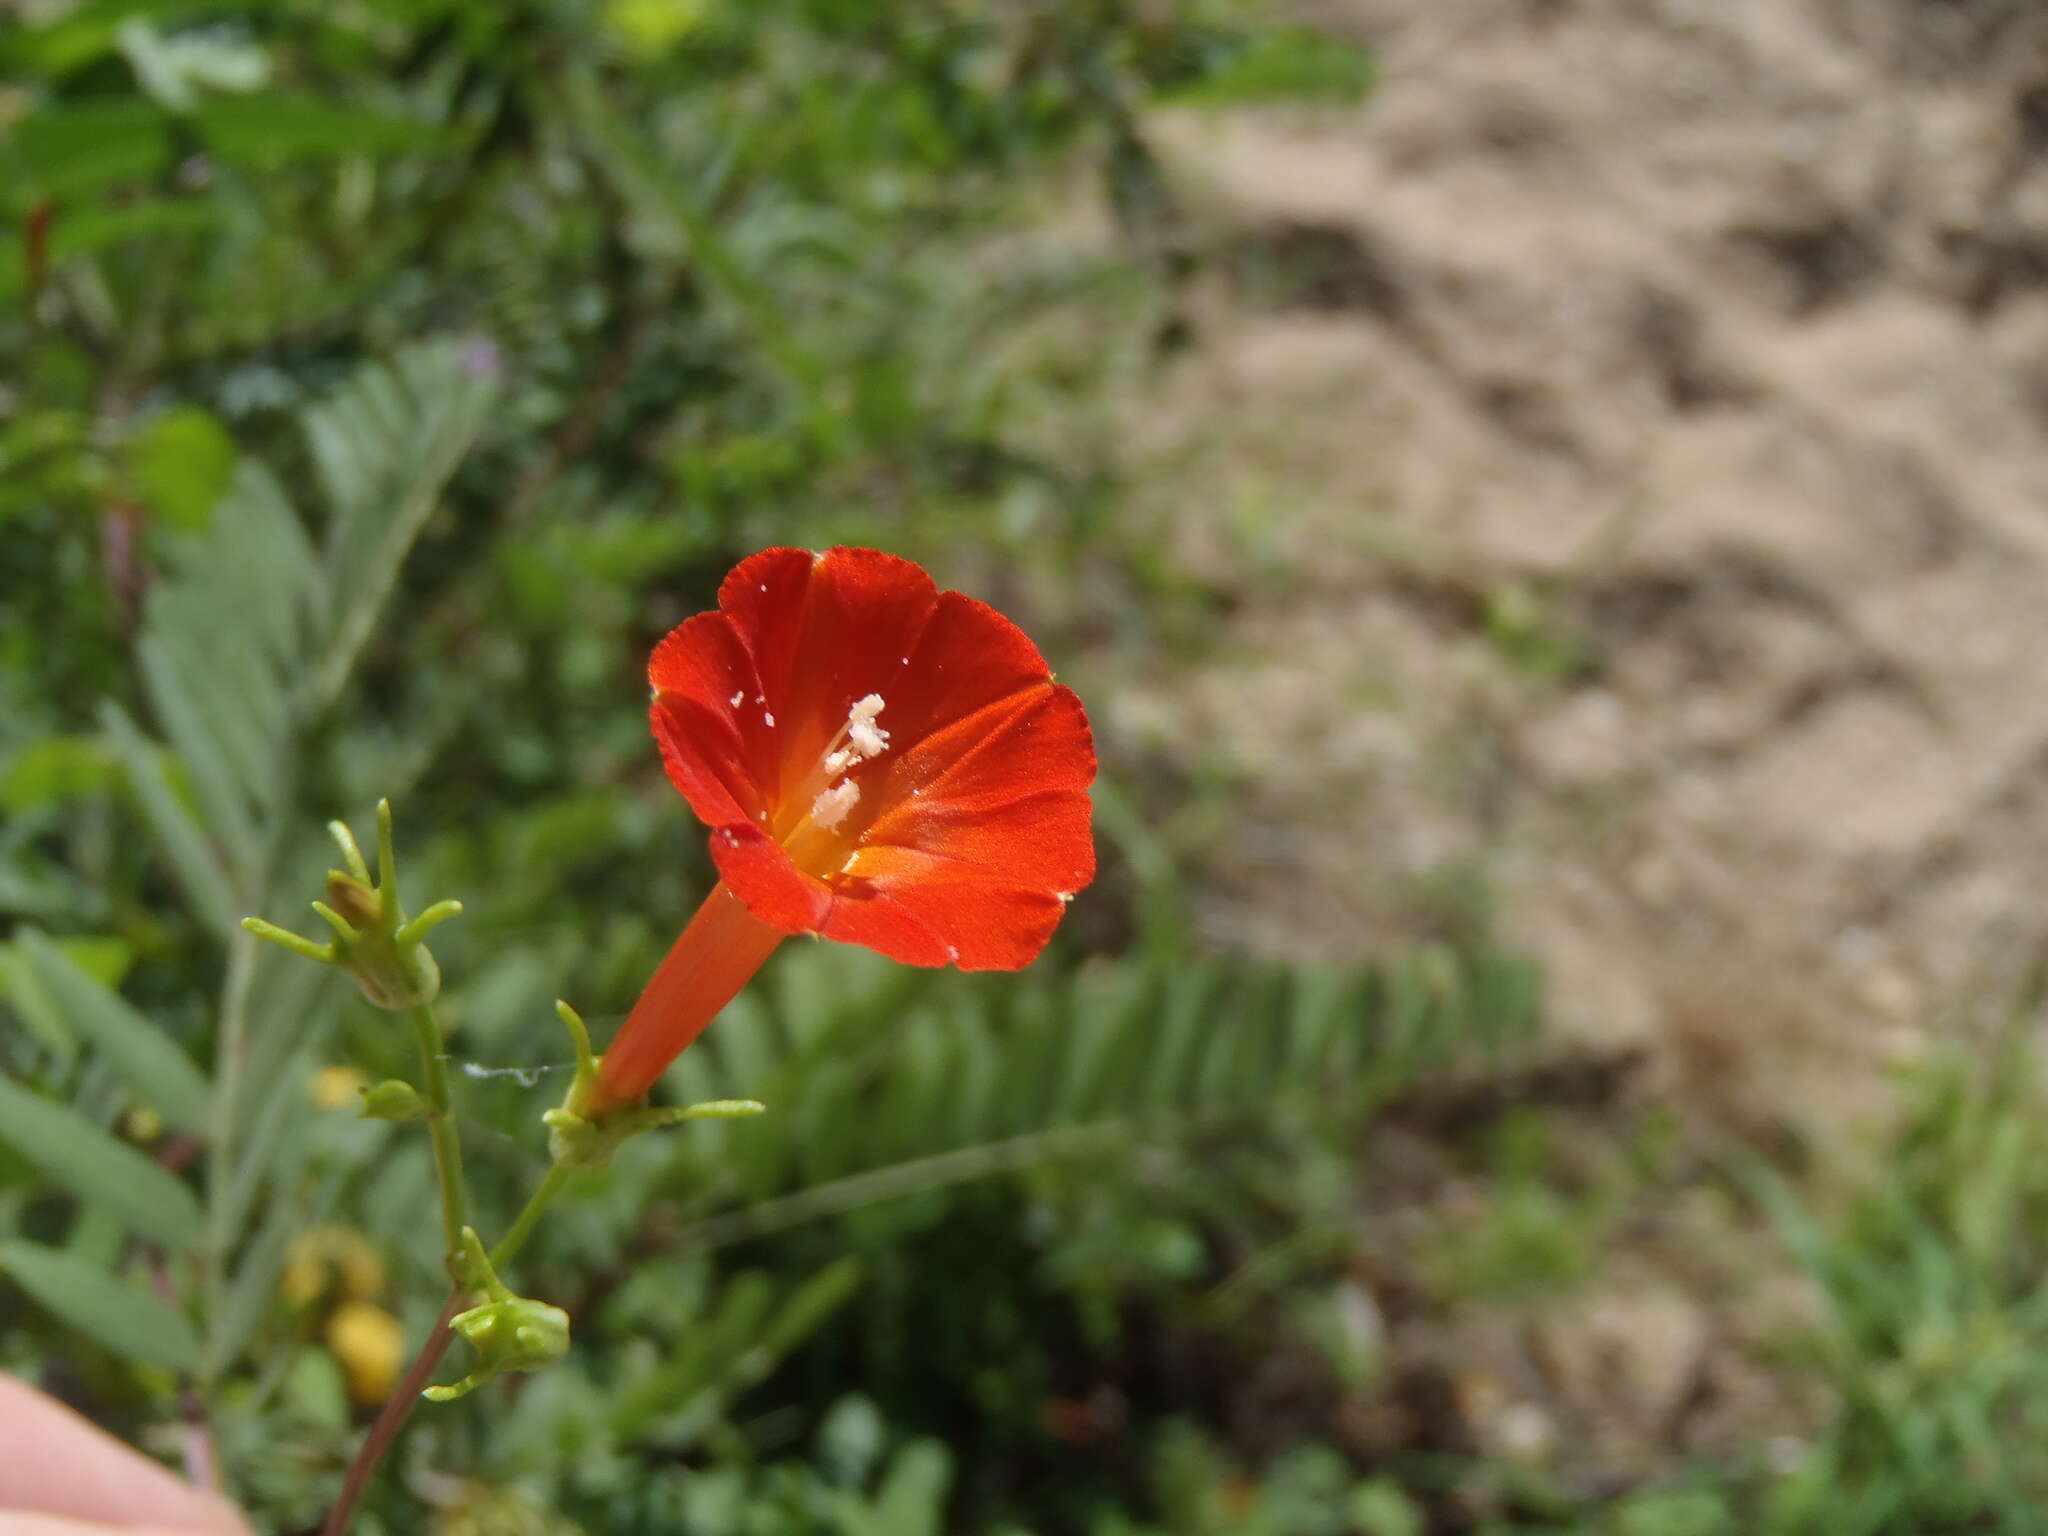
130 1322
148 1063
99 1168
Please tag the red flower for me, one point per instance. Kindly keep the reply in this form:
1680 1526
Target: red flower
879 762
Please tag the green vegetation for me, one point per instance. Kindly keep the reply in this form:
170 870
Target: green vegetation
379 383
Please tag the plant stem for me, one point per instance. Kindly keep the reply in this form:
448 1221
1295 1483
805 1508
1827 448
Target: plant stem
441 1125
397 1408
529 1217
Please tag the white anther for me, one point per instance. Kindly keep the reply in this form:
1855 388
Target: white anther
869 739
769 718
831 806
838 762
738 699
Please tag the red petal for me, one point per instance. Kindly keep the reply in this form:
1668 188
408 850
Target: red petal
713 751
981 857
1040 842
978 815
827 630
976 927
1014 747
764 877
967 658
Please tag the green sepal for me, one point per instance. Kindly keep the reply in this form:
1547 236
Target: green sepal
508 1332
373 939
578 1138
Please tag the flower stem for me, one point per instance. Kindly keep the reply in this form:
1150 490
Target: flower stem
441 1126
397 1408
529 1216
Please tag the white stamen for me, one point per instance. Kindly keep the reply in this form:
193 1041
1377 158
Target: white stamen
738 699
869 739
831 806
769 718
838 762
1064 896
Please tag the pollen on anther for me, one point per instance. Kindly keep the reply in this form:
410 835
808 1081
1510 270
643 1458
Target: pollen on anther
869 739
831 806
738 699
770 719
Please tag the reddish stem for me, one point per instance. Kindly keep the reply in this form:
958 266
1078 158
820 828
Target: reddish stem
397 1409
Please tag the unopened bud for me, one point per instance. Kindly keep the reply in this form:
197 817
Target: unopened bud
394 1099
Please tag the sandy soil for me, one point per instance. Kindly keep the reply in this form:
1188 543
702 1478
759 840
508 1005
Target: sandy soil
1629 434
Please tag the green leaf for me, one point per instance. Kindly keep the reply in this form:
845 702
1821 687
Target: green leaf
182 463
54 769
146 1060
79 34
76 148
180 840
271 128
384 444
250 1291
82 231
912 1498
32 1004
96 1167
130 1322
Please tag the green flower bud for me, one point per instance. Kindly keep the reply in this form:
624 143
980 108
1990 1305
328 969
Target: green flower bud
393 1099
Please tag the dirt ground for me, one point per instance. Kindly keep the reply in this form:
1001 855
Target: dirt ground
1628 432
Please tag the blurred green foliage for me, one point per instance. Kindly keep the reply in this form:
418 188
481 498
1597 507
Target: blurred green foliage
379 382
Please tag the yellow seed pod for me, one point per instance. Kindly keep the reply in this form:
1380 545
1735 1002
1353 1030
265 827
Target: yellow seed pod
369 1344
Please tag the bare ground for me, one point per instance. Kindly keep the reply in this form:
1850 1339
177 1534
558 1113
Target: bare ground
1627 434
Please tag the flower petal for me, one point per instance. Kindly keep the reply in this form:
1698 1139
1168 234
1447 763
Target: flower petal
976 927
1012 748
825 630
714 759
763 876
1040 842
967 657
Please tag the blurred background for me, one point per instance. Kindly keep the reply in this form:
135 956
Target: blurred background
1543 499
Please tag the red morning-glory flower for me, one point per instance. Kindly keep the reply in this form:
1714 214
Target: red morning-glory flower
879 762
